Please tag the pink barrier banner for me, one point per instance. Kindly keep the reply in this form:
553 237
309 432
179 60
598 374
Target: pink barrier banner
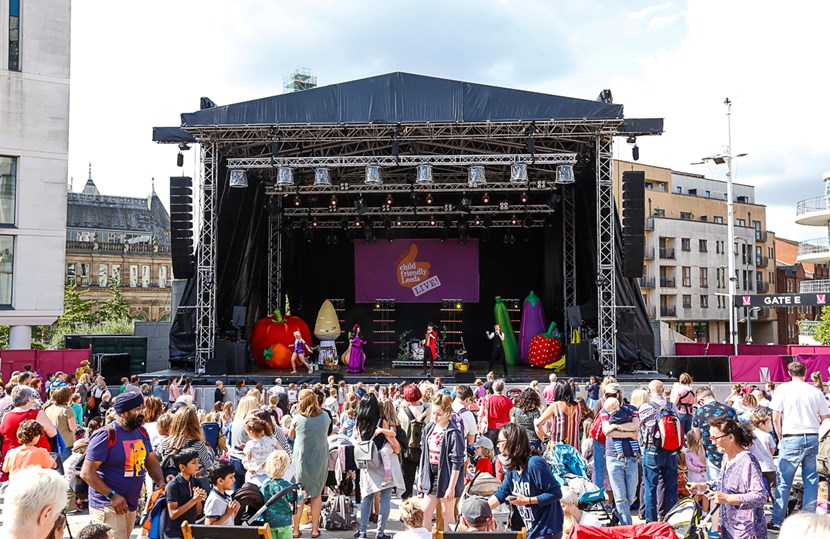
815 362
758 369
44 362
719 349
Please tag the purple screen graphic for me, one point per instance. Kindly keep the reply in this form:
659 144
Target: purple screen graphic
416 271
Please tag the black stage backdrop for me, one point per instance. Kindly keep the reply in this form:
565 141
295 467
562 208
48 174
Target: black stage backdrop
316 271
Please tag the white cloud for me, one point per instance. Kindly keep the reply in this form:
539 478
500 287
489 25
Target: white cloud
647 12
661 22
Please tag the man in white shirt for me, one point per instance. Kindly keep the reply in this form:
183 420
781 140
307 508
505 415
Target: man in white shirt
278 388
463 400
798 409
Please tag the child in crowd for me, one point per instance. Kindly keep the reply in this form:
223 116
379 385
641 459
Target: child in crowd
484 454
184 495
220 509
413 518
763 447
59 528
274 409
77 408
163 424
257 449
330 403
227 414
71 472
387 412
292 394
348 419
696 463
592 389
628 447
105 405
821 499
27 454
279 515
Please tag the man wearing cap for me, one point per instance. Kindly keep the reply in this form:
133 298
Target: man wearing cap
476 516
116 461
278 388
413 411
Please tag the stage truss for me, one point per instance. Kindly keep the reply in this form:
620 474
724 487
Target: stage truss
448 145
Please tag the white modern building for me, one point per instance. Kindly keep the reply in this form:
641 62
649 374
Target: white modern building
34 134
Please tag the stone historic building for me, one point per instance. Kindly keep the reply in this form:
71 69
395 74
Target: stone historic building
123 238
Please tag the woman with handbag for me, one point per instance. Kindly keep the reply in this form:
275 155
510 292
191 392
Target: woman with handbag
443 451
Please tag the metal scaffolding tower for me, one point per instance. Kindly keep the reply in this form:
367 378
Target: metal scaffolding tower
606 271
298 80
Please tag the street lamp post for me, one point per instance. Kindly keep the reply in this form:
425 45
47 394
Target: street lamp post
749 323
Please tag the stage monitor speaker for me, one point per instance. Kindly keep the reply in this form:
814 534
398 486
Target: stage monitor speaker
324 377
574 316
464 377
216 366
580 361
239 316
232 355
181 226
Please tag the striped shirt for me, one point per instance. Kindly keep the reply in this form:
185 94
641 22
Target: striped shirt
564 427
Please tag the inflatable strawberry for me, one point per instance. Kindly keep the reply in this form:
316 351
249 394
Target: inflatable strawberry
545 348
271 338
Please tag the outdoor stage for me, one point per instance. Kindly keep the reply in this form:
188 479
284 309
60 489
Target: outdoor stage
487 192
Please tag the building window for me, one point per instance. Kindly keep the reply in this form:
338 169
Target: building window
740 222
708 194
112 237
84 275
649 186
163 276
659 213
702 246
719 219
14 35
116 274
704 302
686 244
71 273
103 273
678 189
687 276
133 276
704 277
685 215
8 186
145 276
6 269
687 301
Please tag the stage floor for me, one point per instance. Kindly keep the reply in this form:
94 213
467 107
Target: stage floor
381 371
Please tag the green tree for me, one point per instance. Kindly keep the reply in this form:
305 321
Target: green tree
76 310
116 307
822 333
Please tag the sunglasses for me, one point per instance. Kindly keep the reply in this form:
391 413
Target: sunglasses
719 437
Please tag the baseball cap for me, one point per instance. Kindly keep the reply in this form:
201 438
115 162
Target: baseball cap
485 442
612 388
476 510
278 381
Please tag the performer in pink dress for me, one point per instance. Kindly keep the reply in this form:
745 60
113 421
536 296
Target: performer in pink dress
357 357
300 351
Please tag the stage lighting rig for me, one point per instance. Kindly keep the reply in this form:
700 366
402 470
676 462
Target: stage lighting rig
514 221
285 176
238 178
565 174
477 177
297 201
477 221
423 174
333 201
389 200
524 198
398 222
322 177
360 206
432 221
429 199
357 222
518 173
485 199
465 204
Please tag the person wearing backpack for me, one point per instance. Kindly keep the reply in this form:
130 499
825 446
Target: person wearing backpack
411 417
660 432
683 398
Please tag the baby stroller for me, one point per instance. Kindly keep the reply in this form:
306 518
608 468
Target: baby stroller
687 519
569 469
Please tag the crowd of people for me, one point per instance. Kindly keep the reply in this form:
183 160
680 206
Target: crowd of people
116 454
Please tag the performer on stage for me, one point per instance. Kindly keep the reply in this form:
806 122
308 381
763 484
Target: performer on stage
430 349
301 349
357 357
497 355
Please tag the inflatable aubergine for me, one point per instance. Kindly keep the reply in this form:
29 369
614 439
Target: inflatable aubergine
533 323
511 351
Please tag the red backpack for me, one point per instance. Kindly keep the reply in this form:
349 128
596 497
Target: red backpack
668 431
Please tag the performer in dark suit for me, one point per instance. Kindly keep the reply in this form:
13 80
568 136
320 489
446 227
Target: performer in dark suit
430 349
497 355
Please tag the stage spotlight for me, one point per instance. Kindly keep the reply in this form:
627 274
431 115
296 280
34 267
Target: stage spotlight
429 199
238 179
514 221
485 199
518 173
333 201
458 305
635 152
322 177
477 177
432 221
285 176
398 222
465 204
373 175
423 175
357 222
565 174
389 200
314 222
180 160
477 221
297 200
377 305
524 198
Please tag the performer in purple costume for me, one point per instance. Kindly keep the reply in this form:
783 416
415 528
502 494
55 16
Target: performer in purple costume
356 357
300 350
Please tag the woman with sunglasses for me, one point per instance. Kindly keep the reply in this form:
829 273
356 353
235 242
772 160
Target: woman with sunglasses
740 491
529 485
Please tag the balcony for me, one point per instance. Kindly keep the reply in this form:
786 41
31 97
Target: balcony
762 288
668 282
761 235
668 310
814 287
650 224
646 282
816 251
761 261
667 253
812 212
117 247
649 253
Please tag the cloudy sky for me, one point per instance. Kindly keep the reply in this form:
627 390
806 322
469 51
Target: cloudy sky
139 65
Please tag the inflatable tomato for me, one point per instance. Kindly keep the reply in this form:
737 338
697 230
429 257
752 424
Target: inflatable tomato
545 348
272 336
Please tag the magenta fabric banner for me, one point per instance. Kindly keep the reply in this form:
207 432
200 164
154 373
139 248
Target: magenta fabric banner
815 362
758 369
416 271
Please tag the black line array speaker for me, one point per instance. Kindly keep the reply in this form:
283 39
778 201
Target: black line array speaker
231 355
633 221
580 361
464 377
181 226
